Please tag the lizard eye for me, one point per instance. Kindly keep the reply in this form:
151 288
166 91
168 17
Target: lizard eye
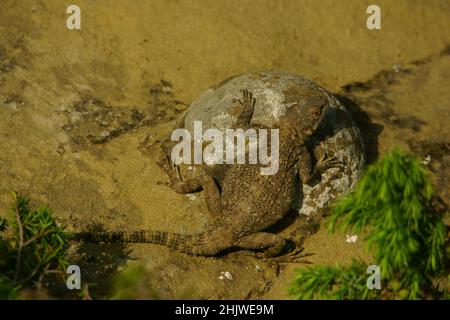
318 112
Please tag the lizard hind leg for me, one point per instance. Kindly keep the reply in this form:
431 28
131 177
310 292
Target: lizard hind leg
212 196
272 244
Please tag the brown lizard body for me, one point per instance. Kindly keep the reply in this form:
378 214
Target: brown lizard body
243 201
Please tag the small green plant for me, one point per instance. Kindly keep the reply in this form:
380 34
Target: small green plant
332 282
32 246
133 283
393 204
8 289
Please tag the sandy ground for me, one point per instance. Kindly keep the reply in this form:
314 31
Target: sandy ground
80 111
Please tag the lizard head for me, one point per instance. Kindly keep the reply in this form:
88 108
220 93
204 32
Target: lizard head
303 118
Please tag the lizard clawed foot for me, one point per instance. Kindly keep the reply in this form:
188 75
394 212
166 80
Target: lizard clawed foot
327 162
247 104
247 98
170 169
163 183
295 256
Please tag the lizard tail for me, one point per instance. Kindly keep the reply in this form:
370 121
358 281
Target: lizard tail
202 244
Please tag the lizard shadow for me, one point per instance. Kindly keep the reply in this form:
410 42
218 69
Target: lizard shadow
99 264
369 130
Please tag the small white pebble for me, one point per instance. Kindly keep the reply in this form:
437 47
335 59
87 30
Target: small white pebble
225 275
166 89
191 196
76 116
397 67
426 160
258 268
104 134
351 239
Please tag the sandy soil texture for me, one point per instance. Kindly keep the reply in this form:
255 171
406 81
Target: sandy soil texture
81 111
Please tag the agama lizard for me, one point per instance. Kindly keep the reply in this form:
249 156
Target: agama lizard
244 202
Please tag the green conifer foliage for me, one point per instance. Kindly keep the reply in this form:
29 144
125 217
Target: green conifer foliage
32 245
393 205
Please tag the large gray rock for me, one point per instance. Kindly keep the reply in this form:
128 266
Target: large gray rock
274 92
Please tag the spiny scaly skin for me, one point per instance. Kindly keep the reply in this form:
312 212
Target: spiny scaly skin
196 244
253 202
250 202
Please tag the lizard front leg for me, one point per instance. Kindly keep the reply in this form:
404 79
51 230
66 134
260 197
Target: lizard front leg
166 145
247 106
307 170
326 162
202 182
305 166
